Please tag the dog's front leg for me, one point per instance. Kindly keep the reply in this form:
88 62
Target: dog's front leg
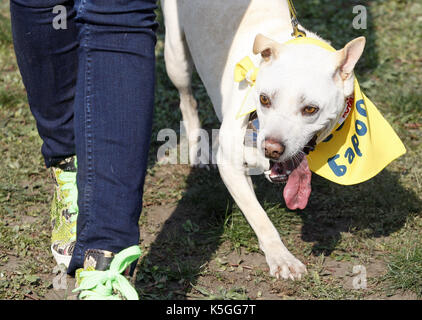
281 262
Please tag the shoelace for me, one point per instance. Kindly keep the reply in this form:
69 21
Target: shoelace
69 179
99 285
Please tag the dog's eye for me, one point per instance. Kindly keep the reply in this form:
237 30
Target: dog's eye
265 101
309 110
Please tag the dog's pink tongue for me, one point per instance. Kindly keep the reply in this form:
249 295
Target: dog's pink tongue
298 188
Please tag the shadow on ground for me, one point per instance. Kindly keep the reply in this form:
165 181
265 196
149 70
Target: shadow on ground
376 208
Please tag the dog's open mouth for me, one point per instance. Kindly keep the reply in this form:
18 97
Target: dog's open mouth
280 171
298 176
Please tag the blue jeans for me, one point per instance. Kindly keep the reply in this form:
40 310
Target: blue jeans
90 88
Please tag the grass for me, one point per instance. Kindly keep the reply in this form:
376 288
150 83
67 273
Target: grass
405 270
405 267
196 241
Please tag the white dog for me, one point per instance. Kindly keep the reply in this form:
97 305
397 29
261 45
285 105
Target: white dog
300 92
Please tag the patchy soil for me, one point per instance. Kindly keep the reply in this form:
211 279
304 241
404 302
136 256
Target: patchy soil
238 268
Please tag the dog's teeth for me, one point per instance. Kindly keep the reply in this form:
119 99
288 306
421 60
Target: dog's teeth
288 172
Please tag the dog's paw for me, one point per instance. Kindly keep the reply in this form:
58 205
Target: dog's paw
286 267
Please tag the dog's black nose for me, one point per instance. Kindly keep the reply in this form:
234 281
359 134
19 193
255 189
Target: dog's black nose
273 148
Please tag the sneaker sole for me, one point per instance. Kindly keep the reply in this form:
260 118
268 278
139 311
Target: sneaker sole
61 258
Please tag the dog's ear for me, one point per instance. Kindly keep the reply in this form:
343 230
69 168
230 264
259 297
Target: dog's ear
349 56
268 48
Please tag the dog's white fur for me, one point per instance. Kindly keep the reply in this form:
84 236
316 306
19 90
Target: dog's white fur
214 35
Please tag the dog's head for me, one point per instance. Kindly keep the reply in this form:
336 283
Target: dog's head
300 94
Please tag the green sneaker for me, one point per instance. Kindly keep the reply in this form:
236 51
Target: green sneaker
64 211
102 279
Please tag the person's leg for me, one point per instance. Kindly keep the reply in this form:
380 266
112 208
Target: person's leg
47 60
113 120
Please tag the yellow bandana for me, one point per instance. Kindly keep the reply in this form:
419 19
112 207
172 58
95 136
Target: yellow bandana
359 148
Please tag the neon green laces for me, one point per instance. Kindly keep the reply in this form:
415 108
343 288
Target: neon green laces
100 285
69 179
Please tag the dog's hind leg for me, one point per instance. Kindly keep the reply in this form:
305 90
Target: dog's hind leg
179 67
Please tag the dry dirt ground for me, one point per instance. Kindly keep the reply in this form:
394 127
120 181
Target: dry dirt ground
187 256
239 269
